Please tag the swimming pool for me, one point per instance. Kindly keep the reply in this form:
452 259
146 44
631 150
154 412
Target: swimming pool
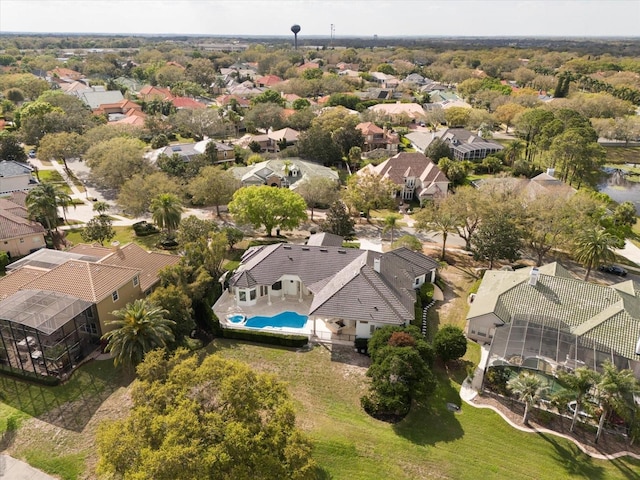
283 319
237 318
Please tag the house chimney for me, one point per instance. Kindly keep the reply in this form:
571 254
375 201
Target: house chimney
533 276
376 264
115 246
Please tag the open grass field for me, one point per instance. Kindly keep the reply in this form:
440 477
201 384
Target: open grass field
430 443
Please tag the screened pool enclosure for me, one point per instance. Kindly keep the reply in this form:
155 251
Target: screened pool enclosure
549 346
45 333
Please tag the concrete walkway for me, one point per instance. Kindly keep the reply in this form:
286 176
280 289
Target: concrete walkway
14 469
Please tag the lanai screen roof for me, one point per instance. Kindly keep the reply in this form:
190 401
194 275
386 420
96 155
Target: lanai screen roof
539 337
42 310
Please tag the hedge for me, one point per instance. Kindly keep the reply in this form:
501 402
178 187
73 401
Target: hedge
48 381
281 339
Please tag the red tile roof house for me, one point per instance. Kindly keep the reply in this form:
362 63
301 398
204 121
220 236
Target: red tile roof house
378 138
186 103
340 292
149 92
268 81
418 177
18 235
54 305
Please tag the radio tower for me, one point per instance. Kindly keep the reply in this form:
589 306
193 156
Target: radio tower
333 33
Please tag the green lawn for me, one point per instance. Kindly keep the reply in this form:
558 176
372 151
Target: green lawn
124 235
53 176
430 443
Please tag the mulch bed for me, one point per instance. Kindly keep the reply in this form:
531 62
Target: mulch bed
608 444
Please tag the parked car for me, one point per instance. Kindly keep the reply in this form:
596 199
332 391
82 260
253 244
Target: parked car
32 154
614 270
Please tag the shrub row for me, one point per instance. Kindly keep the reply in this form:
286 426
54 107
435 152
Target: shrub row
30 376
143 228
281 339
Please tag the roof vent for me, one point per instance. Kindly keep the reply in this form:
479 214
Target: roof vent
306 249
324 250
342 251
533 276
287 247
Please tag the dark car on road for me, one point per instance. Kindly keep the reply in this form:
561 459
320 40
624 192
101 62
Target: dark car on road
32 154
613 270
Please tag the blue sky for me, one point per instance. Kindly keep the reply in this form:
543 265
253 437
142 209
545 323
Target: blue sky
350 17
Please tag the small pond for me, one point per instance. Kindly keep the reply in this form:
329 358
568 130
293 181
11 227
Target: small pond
616 184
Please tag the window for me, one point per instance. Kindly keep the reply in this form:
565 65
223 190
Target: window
372 329
277 285
252 294
115 296
242 296
417 281
136 281
90 328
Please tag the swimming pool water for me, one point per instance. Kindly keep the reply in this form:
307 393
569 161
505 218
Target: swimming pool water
284 319
237 318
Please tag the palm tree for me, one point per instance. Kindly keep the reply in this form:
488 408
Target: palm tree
166 211
593 246
579 383
436 216
513 150
390 223
43 202
141 326
614 390
529 388
100 207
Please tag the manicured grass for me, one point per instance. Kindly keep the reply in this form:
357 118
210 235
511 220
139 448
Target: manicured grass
53 176
430 443
67 467
623 154
124 235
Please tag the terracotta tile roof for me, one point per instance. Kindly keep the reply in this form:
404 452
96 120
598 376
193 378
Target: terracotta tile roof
369 128
7 205
92 250
268 80
224 100
19 198
151 91
86 280
186 102
149 263
12 282
12 226
66 73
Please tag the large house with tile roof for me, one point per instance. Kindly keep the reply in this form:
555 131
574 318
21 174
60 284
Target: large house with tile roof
378 138
416 176
347 292
18 235
464 145
55 306
546 319
283 173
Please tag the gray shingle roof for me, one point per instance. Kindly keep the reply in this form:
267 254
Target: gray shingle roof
343 281
325 239
9 168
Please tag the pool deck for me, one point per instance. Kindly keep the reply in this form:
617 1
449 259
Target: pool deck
226 306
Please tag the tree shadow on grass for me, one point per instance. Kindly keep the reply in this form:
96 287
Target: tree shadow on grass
572 459
71 405
628 467
322 473
433 422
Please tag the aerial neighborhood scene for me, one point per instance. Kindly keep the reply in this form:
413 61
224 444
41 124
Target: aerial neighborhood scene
319 240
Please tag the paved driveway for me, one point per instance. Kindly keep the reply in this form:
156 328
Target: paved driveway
13 469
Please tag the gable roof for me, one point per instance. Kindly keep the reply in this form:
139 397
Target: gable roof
85 280
14 281
369 128
259 172
11 168
12 226
325 239
413 110
406 164
148 263
608 315
96 98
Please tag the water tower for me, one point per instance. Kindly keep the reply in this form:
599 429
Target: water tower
295 29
